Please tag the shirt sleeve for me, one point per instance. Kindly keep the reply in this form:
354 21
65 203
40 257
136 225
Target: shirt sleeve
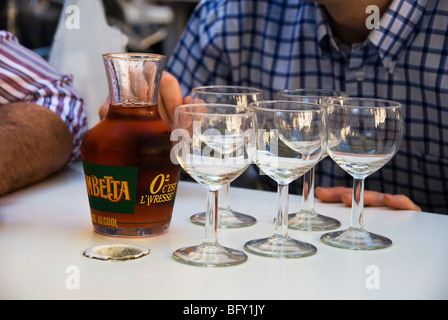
200 55
27 77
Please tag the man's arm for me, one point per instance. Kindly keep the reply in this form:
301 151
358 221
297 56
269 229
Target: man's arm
34 143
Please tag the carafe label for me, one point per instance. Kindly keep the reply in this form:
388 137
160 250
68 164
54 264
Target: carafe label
111 189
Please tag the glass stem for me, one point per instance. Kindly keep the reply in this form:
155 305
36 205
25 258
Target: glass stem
211 218
357 204
224 193
281 223
223 202
308 193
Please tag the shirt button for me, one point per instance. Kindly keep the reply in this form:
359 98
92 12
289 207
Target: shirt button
360 75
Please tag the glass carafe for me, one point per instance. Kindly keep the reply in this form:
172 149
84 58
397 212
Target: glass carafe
131 182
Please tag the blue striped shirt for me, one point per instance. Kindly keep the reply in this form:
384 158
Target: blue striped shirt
26 77
279 44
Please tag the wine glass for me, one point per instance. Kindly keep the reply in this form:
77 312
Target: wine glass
226 94
290 141
307 218
215 144
364 134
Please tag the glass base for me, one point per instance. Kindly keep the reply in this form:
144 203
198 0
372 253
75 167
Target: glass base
279 247
355 239
132 232
311 222
226 219
209 256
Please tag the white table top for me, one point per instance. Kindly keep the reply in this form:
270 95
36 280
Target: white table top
45 228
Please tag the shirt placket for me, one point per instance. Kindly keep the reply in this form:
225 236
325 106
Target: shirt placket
355 71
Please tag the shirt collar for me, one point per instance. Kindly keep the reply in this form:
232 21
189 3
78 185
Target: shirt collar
396 28
322 25
327 42
321 22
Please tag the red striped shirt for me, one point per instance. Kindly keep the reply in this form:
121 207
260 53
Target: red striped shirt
25 76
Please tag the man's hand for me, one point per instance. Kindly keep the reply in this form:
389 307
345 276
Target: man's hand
170 97
371 198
